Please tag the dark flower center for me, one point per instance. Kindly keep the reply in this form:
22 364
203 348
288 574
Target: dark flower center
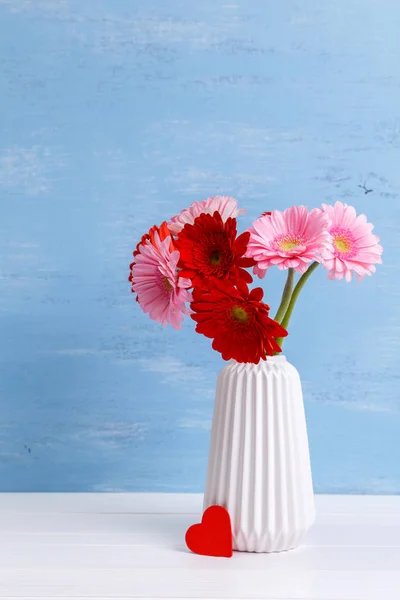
215 257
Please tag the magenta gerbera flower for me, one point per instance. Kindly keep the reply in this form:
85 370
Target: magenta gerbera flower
355 247
289 239
160 290
226 206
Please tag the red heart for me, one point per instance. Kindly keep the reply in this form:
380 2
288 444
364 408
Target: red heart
213 536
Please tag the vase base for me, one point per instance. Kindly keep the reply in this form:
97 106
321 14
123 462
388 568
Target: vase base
266 550
267 544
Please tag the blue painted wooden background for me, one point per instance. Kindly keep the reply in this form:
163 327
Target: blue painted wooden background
115 114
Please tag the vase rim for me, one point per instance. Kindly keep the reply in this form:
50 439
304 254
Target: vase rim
278 357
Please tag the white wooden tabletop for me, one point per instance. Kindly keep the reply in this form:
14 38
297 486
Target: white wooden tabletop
132 546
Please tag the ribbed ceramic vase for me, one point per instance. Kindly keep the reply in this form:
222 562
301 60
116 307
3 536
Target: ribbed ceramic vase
259 461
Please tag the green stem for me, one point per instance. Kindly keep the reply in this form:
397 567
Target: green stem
286 295
295 295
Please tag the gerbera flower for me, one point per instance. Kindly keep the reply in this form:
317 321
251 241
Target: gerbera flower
237 321
293 238
160 290
226 206
355 247
209 248
163 232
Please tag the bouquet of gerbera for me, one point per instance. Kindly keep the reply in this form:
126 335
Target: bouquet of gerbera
197 258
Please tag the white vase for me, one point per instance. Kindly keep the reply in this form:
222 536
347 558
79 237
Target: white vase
259 461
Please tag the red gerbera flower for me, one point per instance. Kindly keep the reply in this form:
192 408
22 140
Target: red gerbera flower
209 248
163 232
237 320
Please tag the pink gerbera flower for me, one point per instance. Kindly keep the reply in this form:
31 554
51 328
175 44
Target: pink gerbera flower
293 239
354 247
226 206
160 290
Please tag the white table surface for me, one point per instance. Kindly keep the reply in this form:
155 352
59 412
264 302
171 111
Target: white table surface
132 546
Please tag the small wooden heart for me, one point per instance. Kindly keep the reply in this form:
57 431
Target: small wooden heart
213 536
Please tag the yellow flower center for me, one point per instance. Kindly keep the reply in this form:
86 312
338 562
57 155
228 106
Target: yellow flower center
342 244
240 314
288 245
166 283
288 241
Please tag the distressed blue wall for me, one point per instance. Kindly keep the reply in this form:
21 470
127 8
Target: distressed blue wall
116 114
